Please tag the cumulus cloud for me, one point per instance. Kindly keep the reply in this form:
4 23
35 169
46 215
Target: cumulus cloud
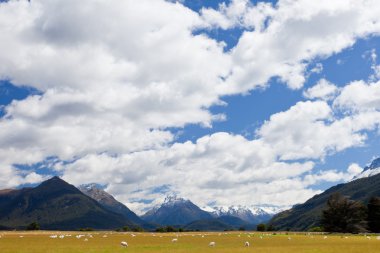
113 76
324 90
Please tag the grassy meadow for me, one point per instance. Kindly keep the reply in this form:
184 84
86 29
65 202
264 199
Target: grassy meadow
94 242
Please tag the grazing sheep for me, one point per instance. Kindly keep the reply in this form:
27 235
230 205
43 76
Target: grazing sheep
368 237
85 239
53 236
104 236
133 235
61 236
174 240
124 244
289 238
378 238
212 244
246 244
325 237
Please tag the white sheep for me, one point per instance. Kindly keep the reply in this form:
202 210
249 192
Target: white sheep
53 236
212 244
246 244
124 244
289 238
61 236
174 240
378 238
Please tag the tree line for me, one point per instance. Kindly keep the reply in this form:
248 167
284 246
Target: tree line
344 215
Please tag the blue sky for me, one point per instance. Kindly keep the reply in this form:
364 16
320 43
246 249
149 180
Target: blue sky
248 103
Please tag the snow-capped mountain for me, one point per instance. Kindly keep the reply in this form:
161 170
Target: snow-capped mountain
370 170
175 211
252 214
96 192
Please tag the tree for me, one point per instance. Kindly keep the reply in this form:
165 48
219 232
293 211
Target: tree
374 215
344 215
33 226
261 227
315 229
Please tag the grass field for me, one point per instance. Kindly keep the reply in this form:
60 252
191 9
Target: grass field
33 242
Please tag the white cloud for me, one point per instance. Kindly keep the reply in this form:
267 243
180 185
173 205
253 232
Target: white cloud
322 90
113 75
359 96
297 33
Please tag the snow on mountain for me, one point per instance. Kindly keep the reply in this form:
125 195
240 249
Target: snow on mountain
370 170
173 199
175 211
251 214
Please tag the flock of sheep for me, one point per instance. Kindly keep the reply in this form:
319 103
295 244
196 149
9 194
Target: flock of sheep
173 240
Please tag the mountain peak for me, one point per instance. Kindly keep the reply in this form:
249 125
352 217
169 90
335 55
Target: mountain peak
370 170
374 164
173 199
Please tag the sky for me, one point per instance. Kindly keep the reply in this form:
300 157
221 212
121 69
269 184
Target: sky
222 102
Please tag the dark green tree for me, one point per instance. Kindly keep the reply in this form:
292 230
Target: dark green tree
344 215
374 215
33 226
261 227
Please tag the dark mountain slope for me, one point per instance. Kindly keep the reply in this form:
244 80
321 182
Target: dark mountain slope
110 203
55 204
308 214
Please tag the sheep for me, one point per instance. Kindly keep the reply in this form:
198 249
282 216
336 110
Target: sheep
325 237
104 236
53 236
133 235
378 238
174 240
212 244
85 239
61 236
289 238
124 244
246 244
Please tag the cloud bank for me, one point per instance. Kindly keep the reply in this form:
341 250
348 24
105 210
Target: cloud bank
115 76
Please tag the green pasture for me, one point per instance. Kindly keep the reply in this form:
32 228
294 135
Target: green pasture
94 242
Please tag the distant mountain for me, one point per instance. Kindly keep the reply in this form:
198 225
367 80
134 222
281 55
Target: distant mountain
109 202
208 225
370 170
253 215
55 204
308 214
175 211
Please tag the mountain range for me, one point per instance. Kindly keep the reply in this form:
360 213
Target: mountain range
55 204
307 215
